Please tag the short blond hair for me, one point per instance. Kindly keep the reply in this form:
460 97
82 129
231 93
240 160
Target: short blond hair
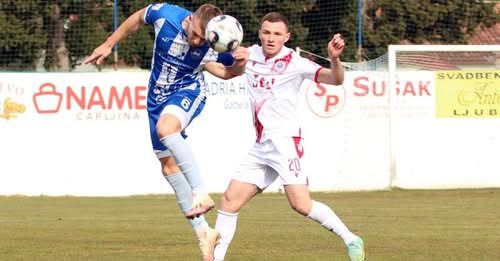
205 13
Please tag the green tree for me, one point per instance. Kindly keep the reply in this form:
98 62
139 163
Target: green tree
249 13
63 32
89 23
325 18
137 49
86 24
57 32
56 53
22 36
423 21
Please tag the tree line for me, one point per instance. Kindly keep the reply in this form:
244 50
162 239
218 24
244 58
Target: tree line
57 34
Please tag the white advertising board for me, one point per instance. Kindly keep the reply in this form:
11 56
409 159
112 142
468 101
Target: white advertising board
76 134
87 133
448 135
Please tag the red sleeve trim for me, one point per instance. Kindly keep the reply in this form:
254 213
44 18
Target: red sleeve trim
317 74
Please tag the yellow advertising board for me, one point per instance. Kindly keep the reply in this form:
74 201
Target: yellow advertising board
467 94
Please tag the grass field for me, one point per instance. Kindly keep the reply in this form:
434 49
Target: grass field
398 225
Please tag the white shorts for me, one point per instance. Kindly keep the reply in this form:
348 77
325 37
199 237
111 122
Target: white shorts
272 159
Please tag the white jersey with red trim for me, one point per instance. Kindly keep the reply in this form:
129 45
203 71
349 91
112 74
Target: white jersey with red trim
274 87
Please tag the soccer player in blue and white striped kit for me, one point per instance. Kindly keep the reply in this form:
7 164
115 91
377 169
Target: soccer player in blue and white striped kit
176 97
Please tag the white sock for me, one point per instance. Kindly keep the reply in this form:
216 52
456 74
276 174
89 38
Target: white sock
325 216
226 225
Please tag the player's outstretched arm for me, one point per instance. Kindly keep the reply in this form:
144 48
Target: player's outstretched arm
334 75
129 26
240 55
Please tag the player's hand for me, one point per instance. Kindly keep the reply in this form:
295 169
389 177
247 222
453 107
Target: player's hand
336 46
99 54
241 56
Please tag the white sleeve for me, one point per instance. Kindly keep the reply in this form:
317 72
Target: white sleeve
308 69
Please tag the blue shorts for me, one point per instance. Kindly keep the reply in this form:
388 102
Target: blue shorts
186 104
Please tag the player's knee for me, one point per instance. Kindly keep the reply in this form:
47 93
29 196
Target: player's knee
164 130
168 166
229 204
301 208
225 200
170 171
167 125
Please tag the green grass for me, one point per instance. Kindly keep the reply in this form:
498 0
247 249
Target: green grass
401 225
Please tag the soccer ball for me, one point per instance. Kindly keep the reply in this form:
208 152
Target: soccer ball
224 33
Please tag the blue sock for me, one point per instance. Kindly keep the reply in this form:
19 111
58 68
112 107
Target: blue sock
184 157
184 197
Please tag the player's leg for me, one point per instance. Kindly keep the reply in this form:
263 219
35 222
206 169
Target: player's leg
251 178
179 111
206 235
176 178
300 200
234 198
286 159
169 130
182 190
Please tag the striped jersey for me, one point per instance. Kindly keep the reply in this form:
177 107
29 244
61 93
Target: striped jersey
175 65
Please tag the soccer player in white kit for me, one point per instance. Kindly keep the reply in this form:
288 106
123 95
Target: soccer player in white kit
274 73
176 97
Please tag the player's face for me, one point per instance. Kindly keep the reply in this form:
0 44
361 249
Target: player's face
196 36
273 37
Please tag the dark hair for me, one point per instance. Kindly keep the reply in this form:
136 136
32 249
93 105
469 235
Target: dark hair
274 17
205 13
